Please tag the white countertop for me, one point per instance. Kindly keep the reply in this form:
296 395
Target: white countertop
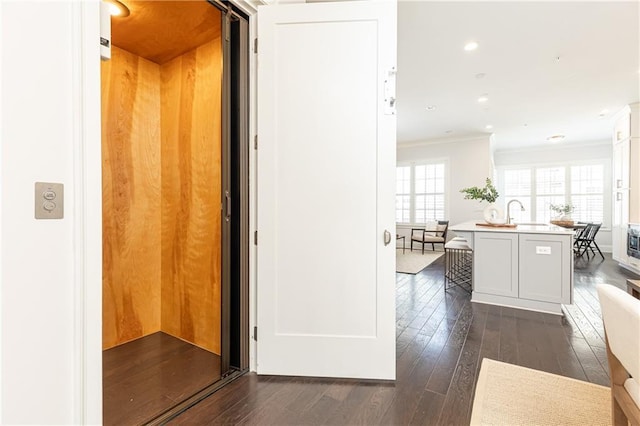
520 229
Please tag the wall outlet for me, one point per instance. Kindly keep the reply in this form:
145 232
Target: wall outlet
543 250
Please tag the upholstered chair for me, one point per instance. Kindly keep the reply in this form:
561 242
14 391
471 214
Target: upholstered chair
426 235
621 316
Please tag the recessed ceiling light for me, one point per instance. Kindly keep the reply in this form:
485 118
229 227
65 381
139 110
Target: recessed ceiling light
431 107
472 45
483 98
555 138
480 75
449 131
488 127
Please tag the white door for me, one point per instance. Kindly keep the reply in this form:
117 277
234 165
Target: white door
326 190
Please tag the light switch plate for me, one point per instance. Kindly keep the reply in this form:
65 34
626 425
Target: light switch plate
49 200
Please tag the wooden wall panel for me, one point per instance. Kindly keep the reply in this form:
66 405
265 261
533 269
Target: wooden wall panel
191 193
131 197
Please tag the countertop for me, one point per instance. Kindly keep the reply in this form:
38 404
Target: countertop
520 229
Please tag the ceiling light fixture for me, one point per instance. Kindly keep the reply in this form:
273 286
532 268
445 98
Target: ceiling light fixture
555 138
472 45
449 131
431 107
480 75
488 127
483 98
117 8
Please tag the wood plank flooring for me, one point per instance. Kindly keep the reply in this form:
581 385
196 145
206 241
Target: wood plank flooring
441 340
145 377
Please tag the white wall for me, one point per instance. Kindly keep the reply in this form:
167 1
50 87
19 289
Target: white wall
469 163
562 154
42 291
554 154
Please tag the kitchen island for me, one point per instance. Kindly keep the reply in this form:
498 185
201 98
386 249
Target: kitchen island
526 267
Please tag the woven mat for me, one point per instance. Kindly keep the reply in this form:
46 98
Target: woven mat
414 262
507 394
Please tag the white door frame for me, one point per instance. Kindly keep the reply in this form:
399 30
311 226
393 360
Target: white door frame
87 165
87 168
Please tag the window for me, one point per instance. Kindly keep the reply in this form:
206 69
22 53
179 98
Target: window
403 194
550 189
587 193
537 187
420 192
517 186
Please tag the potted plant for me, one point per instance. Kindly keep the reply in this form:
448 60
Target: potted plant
563 211
489 193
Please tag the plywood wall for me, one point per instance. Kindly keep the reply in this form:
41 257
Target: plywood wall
131 197
191 185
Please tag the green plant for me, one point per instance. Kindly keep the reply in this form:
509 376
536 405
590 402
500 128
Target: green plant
488 193
563 209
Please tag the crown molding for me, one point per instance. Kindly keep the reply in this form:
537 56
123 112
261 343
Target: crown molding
452 139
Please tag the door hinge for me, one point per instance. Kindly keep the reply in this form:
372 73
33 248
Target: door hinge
255 142
255 45
255 333
255 238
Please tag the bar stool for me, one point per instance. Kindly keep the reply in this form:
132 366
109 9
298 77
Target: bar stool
458 265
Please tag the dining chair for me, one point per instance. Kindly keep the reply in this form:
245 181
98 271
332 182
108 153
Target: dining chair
430 236
621 317
587 241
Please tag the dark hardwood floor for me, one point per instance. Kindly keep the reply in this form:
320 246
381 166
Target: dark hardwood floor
145 377
441 340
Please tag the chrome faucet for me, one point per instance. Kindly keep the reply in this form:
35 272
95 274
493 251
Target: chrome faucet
509 209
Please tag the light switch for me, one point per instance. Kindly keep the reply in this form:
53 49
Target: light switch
49 200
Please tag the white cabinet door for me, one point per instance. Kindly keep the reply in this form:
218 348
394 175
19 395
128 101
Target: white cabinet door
495 263
620 221
546 264
326 190
617 167
619 244
616 251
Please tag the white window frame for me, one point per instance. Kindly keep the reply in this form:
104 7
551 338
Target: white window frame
412 208
606 193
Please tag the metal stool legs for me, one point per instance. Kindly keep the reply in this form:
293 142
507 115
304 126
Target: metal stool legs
458 265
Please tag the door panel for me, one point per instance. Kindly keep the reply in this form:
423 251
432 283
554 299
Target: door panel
495 263
545 277
326 164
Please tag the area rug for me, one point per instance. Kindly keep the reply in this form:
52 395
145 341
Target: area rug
412 262
508 394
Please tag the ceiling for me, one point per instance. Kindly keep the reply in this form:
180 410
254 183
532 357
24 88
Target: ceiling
549 68
162 30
